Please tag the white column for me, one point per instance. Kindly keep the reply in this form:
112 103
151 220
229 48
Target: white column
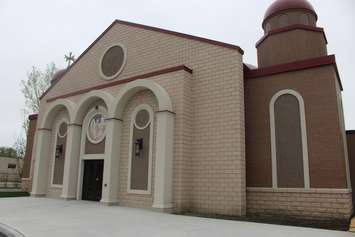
71 163
41 162
163 180
111 162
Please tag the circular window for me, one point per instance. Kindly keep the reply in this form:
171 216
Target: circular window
96 128
112 62
142 119
63 130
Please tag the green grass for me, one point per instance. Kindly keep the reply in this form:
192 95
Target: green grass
13 194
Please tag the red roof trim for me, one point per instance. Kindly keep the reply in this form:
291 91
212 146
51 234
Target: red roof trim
123 81
181 35
33 116
289 28
293 66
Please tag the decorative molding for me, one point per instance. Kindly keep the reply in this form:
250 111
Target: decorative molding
328 60
44 129
124 81
350 132
165 111
303 132
113 118
291 28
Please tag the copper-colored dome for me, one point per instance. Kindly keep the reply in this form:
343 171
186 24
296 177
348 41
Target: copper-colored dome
284 5
58 75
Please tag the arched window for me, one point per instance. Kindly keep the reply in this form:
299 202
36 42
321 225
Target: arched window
59 154
140 152
290 167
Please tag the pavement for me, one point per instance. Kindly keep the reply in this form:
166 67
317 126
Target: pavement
42 217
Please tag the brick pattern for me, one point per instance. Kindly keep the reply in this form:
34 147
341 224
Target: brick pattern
312 204
209 152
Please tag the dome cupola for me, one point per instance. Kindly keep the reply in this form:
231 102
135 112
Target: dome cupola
283 13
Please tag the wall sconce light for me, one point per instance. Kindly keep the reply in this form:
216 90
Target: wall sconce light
58 151
138 146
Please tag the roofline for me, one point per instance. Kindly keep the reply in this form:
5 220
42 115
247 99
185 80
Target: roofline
350 132
160 30
290 28
123 81
328 60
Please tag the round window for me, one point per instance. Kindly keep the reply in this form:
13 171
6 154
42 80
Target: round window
63 129
112 62
142 119
96 128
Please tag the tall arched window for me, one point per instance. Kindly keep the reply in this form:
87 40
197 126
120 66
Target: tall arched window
140 152
60 142
290 167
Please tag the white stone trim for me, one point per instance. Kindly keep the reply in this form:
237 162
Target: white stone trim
131 88
86 102
123 63
48 117
84 156
132 125
303 132
63 120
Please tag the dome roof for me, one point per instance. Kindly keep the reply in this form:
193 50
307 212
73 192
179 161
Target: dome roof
284 5
58 75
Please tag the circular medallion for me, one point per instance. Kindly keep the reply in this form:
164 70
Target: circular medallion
112 62
96 128
142 119
63 130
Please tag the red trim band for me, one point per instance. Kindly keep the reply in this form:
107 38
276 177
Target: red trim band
293 66
123 81
290 28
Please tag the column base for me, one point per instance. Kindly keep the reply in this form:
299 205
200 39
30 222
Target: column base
68 198
163 208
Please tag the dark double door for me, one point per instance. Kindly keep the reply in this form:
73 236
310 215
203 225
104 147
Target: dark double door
92 180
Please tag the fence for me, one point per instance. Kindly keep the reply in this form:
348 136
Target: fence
10 180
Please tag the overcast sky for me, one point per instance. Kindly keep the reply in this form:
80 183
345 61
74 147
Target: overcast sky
37 32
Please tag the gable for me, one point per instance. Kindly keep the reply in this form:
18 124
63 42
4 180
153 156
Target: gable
148 49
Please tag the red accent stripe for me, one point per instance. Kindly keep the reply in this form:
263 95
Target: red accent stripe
293 66
290 28
123 81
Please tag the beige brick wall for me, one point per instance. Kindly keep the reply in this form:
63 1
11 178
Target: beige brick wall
305 204
209 152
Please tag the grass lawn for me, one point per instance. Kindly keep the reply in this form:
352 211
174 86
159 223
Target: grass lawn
13 194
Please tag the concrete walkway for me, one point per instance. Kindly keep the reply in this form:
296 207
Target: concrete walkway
41 217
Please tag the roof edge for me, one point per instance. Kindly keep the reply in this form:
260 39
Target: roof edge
350 132
294 66
151 28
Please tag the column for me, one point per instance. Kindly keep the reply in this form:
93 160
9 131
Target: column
71 165
111 162
41 162
163 180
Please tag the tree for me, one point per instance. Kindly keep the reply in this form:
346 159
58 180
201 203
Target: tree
32 88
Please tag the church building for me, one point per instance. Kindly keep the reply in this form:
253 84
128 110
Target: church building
151 118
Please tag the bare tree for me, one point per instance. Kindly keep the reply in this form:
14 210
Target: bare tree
32 88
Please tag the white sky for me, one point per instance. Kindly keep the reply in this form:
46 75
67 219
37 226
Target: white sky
38 32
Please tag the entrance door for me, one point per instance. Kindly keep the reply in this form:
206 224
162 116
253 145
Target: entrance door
92 180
